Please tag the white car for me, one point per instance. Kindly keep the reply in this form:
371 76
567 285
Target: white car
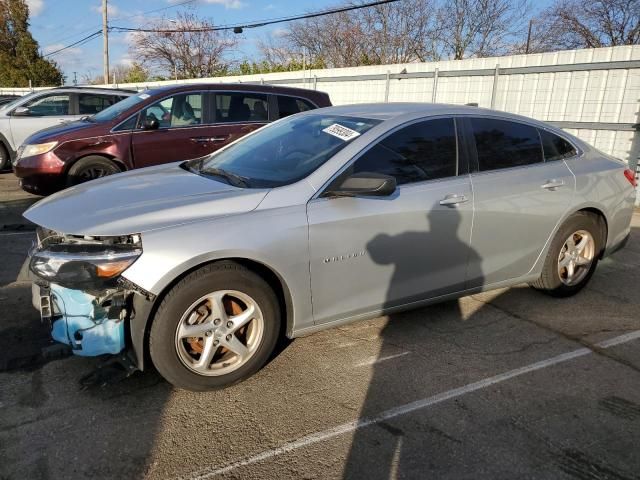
45 108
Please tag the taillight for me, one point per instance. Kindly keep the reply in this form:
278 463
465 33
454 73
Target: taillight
628 173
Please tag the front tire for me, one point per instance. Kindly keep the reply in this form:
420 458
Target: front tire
572 257
5 158
216 327
90 168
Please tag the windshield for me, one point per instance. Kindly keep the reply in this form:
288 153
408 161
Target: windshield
284 152
114 111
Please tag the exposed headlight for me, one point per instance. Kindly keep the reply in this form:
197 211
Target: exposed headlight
36 149
89 265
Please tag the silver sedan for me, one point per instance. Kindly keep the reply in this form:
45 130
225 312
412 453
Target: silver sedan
320 219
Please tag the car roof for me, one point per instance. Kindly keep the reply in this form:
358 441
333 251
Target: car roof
251 87
92 89
388 111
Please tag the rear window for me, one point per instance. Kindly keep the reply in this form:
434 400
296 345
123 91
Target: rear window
290 106
555 147
241 107
504 144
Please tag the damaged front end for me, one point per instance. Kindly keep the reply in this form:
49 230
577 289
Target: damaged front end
78 289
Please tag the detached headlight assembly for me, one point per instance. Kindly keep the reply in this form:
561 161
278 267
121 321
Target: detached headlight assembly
37 149
83 265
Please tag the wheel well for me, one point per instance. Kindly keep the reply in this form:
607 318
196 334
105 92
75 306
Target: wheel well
602 222
266 273
118 162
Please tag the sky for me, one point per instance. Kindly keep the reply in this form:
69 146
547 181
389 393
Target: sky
58 23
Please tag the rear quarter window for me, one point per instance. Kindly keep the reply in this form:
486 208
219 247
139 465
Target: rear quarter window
555 147
291 105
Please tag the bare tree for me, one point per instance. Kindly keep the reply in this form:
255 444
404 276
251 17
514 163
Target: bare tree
392 33
403 32
481 28
183 53
569 24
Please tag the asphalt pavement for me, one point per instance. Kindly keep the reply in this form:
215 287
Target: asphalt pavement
505 384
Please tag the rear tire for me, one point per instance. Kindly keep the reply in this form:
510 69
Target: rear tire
90 168
216 327
5 158
572 257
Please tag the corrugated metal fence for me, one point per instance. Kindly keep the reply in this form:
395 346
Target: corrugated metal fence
592 93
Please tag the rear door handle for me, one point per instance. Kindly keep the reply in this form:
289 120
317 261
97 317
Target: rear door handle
552 184
453 199
209 139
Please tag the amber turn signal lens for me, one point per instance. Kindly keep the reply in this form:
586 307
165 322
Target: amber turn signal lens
111 269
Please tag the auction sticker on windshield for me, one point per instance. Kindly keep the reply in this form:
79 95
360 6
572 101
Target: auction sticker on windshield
341 132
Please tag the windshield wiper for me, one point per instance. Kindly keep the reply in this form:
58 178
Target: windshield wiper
231 178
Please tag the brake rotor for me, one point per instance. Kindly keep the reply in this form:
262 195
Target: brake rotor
232 308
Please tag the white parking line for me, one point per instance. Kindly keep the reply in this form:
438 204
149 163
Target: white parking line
408 408
374 360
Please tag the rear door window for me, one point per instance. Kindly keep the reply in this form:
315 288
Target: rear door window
419 152
555 147
504 144
291 105
241 107
49 105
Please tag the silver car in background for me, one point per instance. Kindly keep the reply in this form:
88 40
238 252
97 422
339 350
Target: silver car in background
319 219
41 109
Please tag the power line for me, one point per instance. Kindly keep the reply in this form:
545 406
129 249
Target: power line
128 17
255 24
81 41
222 27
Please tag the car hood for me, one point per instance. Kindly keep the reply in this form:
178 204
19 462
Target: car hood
65 130
139 201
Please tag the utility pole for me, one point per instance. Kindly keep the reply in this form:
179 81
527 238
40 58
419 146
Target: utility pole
75 79
105 42
528 36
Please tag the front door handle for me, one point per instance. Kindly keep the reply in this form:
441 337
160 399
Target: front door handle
453 199
552 184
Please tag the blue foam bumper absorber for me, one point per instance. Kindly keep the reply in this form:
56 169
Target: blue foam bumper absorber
83 324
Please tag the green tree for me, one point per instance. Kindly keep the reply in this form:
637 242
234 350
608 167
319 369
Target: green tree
20 59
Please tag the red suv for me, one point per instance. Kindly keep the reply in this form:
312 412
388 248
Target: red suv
156 126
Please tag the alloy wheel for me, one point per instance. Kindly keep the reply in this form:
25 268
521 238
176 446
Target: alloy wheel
576 257
219 333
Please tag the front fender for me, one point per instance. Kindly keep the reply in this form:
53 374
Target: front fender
276 239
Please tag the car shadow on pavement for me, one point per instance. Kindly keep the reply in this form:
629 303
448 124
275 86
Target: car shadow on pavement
389 459
433 446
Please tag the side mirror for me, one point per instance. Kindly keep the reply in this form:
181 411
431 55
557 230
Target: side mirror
151 124
364 184
21 112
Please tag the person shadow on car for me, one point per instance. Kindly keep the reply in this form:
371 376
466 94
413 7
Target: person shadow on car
384 449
